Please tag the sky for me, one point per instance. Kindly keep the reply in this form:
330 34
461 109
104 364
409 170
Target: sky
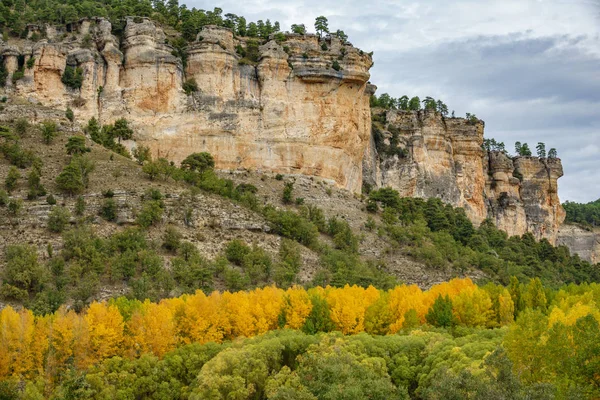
529 68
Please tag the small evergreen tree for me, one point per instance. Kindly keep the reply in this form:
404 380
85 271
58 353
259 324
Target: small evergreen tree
12 179
440 314
76 146
321 25
49 131
541 150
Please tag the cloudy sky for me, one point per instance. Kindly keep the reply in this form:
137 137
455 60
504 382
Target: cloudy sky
529 68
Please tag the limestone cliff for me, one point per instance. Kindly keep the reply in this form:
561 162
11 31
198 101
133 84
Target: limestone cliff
300 106
297 104
425 155
585 243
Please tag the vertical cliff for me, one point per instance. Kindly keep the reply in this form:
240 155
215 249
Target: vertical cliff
296 104
425 155
584 242
300 105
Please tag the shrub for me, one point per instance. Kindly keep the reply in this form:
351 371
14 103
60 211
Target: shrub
50 200
31 62
48 130
36 189
190 86
279 177
22 269
76 145
150 214
21 126
3 198
14 207
72 77
287 193
69 114
58 219
336 65
12 179
200 162
79 206
236 250
171 239
17 76
70 179
142 154
108 209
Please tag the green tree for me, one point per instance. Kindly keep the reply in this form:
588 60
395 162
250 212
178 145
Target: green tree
321 25
299 29
552 153
200 162
541 150
76 145
70 115
58 219
121 130
12 179
70 180
440 313
414 104
49 131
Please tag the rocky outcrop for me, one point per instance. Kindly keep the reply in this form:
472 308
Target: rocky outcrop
296 105
425 155
585 243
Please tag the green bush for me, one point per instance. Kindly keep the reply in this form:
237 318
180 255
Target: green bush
76 145
288 190
49 131
171 239
3 198
50 200
150 214
12 179
190 86
109 209
58 219
236 250
21 126
72 77
22 269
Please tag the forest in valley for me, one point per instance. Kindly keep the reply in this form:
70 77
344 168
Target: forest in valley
456 340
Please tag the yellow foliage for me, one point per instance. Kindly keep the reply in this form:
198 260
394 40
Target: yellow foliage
403 298
473 307
348 306
298 307
152 329
17 336
104 327
570 309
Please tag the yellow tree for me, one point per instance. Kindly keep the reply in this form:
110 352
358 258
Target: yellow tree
17 329
297 307
152 329
402 299
348 305
473 307
104 326
267 304
62 340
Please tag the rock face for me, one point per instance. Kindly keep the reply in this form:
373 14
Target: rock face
580 241
425 155
299 105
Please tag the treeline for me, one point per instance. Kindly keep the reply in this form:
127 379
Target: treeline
587 214
127 348
442 236
15 15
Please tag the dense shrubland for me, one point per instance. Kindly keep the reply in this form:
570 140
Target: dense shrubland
186 347
442 236
586 214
